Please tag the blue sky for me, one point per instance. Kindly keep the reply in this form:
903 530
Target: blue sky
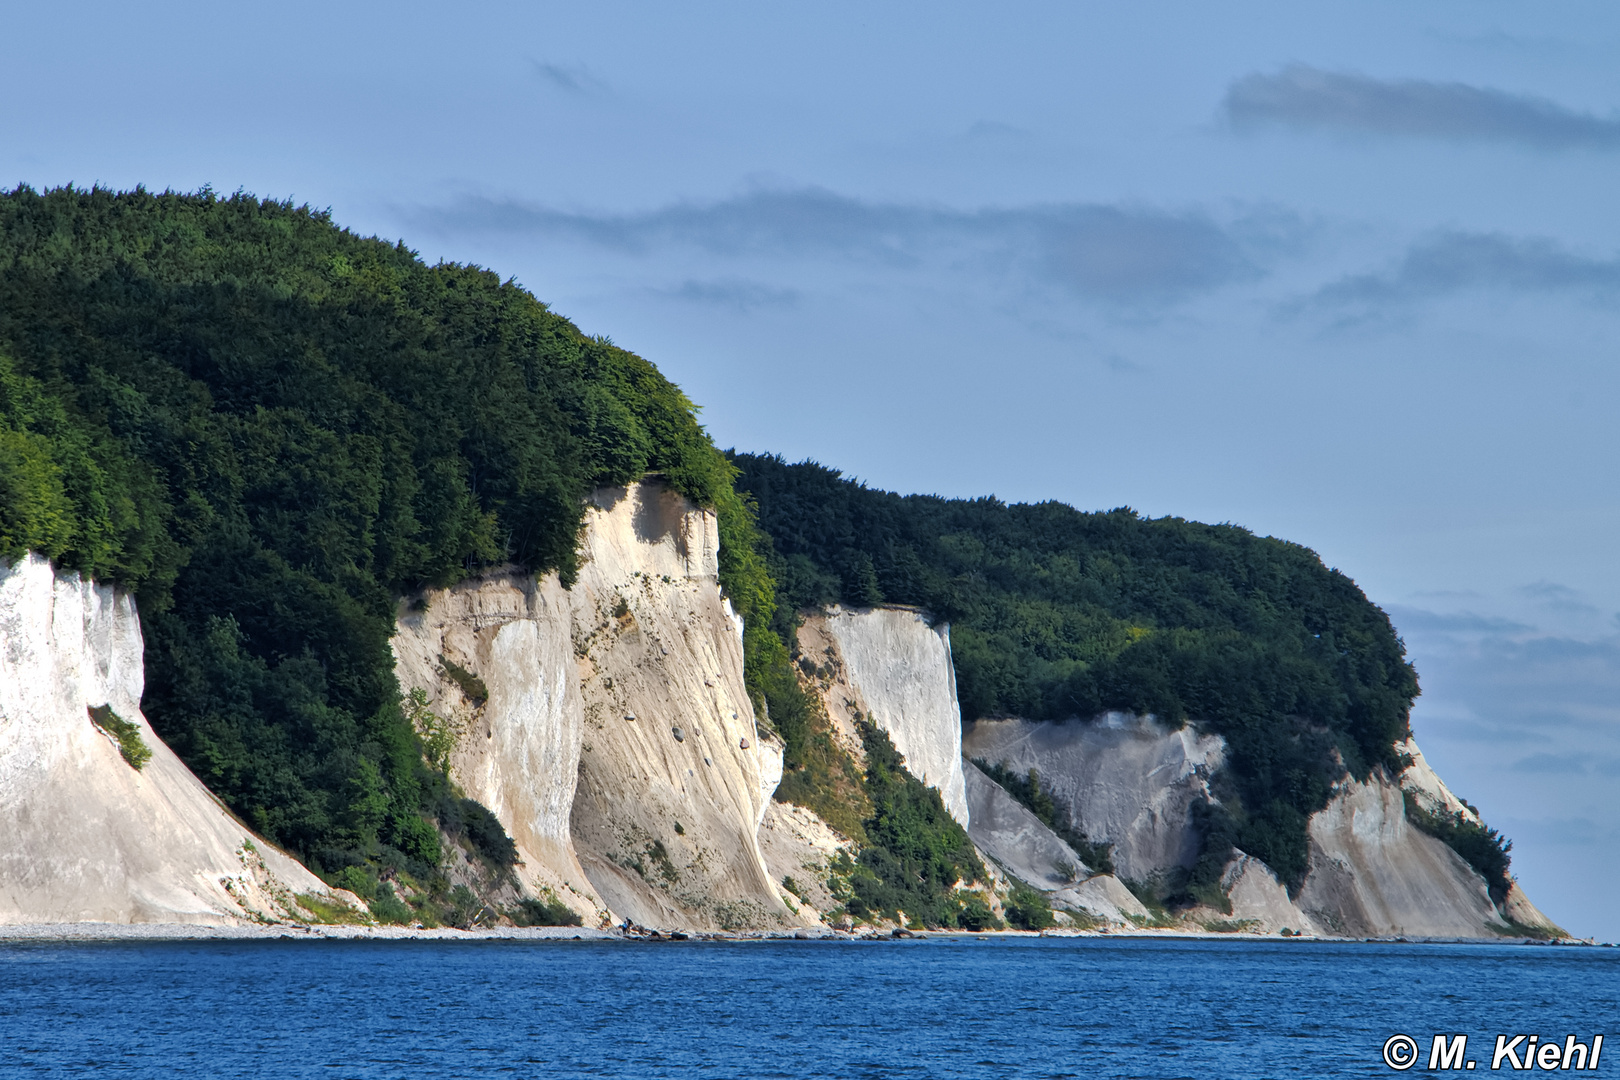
1343 273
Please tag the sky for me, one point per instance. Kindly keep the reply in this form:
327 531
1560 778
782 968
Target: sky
1343 273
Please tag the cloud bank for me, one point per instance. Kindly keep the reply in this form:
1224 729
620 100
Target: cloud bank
1453 262
1119 253
1305 97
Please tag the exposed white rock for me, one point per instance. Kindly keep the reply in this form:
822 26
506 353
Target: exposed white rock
656 640
84 837
1518 907
1005 831
896 668
518 752
1425 784
1373 873
1125 780
798 845
1258 898
1103 897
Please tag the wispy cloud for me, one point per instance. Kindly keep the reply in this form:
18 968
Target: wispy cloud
1455 261
1123 253
1306 97
733 293
1559 598
572 78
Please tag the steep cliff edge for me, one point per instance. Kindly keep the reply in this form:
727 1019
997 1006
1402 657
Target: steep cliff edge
609 729
673 779
1124 780
516 737
1373 872
894 667
84 835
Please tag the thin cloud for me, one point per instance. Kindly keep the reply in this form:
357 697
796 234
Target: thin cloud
1455 262
1558 597
1462 622
741 296
572 78
1306 97
1129 254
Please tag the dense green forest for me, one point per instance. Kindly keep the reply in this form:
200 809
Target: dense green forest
1056 614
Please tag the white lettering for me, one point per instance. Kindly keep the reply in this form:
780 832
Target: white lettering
1571 1048
1505 1049
1447 1055
1549 1056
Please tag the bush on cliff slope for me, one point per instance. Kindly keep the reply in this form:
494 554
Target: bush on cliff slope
1057 613
271 427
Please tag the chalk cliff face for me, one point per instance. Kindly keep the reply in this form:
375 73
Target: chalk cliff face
1373 872
1129 781
84 836
617 744
1125 780
518 751
1002 828
896 668
673 779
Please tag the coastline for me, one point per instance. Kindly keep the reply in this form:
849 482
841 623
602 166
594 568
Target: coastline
87 932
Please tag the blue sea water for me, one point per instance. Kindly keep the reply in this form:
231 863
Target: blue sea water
941 1007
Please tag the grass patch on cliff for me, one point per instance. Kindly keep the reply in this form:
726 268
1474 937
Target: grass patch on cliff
131 746
816 773
471 685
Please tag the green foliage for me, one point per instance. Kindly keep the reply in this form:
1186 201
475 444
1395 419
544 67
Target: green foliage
1057 614
1099 858
472 821
329 911
916 854
1482 848
470 684
546 911
131 746
388 908
271 427
1028 909
69 491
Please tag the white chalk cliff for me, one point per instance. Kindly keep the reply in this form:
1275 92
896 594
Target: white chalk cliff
518 751
673 776
1126 780
618 744
85 836
895 667
1129 781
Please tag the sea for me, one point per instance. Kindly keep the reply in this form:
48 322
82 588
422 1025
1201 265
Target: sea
935 1007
